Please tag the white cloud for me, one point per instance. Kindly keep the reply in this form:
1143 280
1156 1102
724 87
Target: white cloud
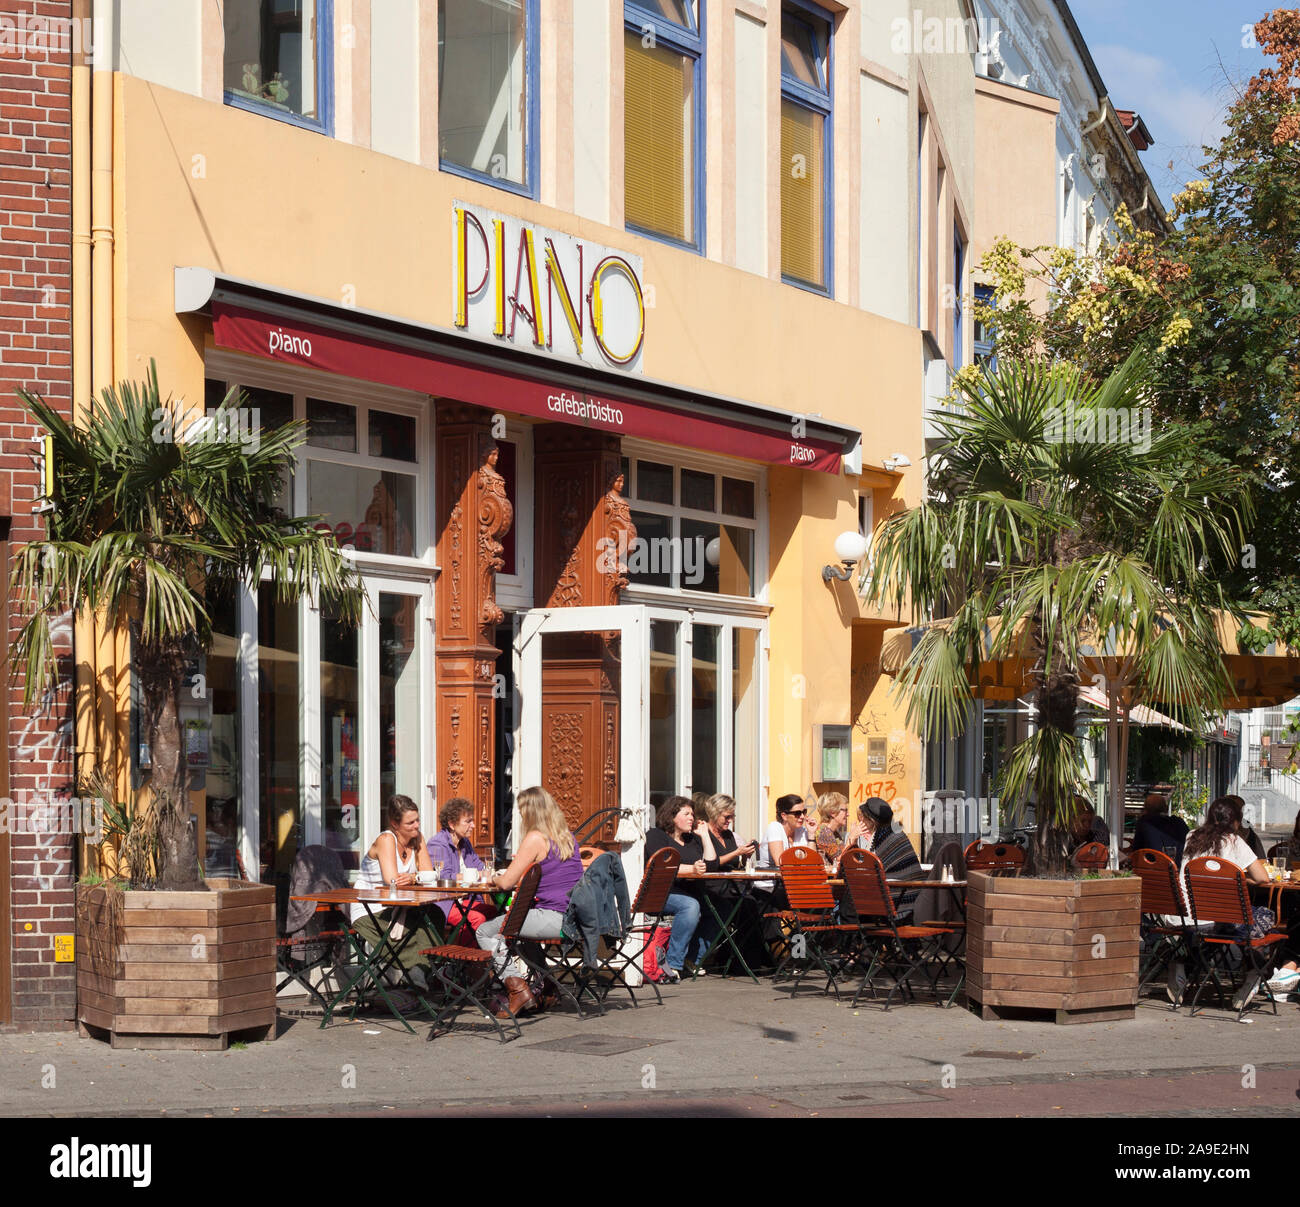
1180 117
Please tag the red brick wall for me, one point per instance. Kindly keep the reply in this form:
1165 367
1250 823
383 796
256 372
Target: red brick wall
35 354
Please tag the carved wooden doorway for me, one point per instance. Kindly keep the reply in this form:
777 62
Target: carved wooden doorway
581 675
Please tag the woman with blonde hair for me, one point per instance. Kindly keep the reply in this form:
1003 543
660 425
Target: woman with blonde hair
548 841
831 837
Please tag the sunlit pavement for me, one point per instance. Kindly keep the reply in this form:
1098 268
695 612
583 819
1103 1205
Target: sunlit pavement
716 1047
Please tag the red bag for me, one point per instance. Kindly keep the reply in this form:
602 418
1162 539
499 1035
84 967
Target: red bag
654 954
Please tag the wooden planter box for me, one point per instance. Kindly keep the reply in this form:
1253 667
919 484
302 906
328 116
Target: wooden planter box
176 970
1033 944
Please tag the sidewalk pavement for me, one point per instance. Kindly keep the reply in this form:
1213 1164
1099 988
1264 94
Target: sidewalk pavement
714 1047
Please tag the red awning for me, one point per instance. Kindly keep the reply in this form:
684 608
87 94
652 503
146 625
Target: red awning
317 346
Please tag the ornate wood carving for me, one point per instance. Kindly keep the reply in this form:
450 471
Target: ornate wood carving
584 530
473 514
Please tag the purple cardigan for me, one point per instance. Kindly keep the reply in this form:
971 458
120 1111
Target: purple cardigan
454 855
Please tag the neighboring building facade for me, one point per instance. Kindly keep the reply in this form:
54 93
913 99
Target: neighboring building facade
38 55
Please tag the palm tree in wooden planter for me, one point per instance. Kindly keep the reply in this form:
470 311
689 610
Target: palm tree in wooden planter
1065 536
154 507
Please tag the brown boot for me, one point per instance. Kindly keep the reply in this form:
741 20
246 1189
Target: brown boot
521 997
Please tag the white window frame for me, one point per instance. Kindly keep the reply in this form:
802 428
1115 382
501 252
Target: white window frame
233 368
720 467
514 592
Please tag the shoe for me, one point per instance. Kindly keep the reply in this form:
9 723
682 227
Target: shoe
669 976
1284 981
1176 982
1245 995
549 996
520 999
419 977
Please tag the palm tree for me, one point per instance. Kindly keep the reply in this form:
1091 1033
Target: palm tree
153 511
1061 530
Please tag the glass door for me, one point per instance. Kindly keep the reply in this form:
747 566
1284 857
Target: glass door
583 733
367 715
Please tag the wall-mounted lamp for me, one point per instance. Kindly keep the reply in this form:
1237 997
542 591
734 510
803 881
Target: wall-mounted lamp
850 548
898 461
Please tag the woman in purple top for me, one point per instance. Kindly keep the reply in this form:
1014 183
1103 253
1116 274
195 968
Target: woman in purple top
547 841
451 848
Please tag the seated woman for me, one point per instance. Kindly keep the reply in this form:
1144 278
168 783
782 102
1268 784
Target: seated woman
678 828
787 831
549 842
392 861
1219 837
893 848
1086 826
721 812
832 834
451 849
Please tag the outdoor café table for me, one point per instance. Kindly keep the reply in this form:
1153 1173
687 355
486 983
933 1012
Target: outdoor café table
371 965
725 931
1276 890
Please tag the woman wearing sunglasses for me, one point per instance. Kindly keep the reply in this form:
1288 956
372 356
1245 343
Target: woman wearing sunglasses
787 831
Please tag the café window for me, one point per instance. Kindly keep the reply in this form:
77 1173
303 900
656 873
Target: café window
663 120
698 528
278 59
358 468
487 91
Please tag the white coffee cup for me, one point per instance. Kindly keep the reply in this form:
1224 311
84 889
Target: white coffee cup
427 877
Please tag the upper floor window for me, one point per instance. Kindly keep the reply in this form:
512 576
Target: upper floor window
805 146
984 353
958 304
278 59
487 90
663 120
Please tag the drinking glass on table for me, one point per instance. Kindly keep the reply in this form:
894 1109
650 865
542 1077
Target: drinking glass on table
1279 862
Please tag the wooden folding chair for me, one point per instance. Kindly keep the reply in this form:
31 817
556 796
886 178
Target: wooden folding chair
466 976
1216 892
651 904
325 951
1091 857
899 951
1161 900
810 916
995 858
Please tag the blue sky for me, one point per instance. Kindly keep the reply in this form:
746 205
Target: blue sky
1176 62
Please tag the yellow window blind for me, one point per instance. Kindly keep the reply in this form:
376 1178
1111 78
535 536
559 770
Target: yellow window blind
802 254
658 130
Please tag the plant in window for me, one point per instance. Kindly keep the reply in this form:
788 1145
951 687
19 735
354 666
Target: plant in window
150 512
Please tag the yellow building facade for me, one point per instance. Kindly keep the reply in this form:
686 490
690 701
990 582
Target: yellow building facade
731 392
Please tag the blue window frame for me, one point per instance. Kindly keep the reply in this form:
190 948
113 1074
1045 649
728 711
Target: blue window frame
279 60
984 349
958 306
664 178
806 143
488 100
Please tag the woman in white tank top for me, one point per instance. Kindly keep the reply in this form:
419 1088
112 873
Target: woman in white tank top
393 860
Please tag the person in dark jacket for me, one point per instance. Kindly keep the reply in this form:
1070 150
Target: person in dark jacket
678 828
1156 830
747 925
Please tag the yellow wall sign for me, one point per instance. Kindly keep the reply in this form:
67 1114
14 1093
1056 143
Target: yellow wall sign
65 949
531 286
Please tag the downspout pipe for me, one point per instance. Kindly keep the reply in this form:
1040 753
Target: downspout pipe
84 652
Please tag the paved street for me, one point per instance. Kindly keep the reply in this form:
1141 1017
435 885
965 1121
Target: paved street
719 1048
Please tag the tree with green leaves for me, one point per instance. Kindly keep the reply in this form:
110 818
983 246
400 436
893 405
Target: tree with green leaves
156 508
1056 535
1215 307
